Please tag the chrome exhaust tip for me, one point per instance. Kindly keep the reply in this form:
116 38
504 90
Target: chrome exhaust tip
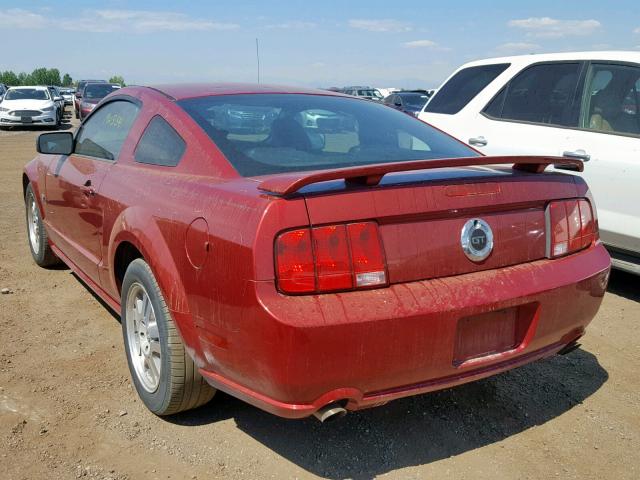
330 412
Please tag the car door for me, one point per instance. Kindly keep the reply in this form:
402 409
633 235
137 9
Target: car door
73 200
532 114
609 136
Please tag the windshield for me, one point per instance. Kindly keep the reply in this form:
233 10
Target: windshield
416 100
262 134
27 94
98 90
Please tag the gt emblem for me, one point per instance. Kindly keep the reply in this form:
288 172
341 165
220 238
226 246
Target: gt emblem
476 239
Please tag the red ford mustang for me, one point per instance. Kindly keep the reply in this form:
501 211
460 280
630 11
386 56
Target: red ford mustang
309 252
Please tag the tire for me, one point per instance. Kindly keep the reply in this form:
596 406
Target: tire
163 373
36 233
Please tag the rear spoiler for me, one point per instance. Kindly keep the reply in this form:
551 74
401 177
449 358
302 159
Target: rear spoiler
288 183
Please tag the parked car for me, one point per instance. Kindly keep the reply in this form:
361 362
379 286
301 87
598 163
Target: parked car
408 101
364 92
78 95
311 278
92 94
58 100
582 105
385 92
28 106
67 94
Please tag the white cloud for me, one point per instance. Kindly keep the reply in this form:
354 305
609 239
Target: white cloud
420 44
637 30
293 25
140 21
518 47
546 27
380 25
23 19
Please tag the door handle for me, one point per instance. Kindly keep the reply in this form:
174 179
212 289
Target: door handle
579 154
87 189
478 141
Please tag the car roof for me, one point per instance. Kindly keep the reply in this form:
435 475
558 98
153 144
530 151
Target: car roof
193 90
619 56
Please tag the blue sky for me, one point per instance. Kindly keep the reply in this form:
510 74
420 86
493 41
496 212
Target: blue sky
313 43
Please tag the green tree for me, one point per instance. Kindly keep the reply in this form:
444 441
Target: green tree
9 78
67 81
117 79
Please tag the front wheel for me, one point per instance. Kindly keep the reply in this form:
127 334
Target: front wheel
38 239
163 373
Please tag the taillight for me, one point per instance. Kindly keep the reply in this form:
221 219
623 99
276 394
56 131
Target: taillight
571 226
330 258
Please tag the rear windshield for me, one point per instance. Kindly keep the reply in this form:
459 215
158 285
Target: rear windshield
463 87
98 90
263 134
27 94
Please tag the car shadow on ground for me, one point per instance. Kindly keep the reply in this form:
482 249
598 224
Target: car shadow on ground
418 430
625 285
105 305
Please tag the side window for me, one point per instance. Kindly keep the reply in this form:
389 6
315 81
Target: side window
463 87
160 144
612 99
542 93
104 133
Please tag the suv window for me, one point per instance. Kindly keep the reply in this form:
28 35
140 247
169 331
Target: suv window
543 93
463 87
160 144
105 131
612 99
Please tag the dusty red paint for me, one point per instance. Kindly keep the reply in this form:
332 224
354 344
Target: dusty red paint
291 355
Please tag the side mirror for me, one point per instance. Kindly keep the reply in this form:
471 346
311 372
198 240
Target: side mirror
397 104
57 99
55 143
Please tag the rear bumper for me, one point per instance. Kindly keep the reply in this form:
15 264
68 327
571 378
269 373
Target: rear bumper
293 355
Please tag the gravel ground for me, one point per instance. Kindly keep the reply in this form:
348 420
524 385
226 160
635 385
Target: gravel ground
68 410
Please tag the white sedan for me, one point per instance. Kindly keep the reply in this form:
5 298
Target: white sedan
583 105
28 106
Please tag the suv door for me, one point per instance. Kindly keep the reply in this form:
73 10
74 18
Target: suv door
532 113
609 133
73 201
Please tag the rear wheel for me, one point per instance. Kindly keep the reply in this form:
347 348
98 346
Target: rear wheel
38 239
163 373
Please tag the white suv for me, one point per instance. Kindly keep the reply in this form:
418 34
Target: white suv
584 105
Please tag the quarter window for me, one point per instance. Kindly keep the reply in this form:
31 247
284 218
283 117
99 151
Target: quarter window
543 93
463 87
160 144
612 99
105 131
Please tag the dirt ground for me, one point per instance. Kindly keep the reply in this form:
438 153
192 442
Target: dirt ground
68 409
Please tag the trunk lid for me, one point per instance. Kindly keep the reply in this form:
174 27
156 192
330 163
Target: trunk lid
421 216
